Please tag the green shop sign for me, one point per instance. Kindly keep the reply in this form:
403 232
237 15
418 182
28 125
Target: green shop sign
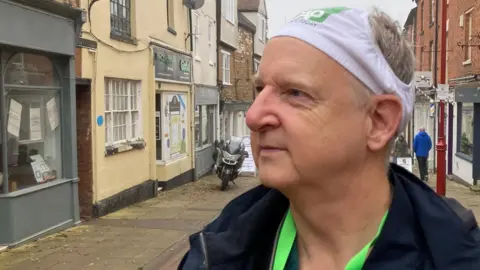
170 65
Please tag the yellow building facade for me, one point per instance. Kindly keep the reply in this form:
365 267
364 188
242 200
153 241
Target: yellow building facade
141 98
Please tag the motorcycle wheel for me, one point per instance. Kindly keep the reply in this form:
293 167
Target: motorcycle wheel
225 180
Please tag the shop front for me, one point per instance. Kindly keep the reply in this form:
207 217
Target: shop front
206 99
38 161
466 160
173 114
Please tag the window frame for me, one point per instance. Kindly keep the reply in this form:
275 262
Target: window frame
226 55
210 110
211 51
459 153
131 135
228 10
263 29
171 16
196 35
468 31
119 30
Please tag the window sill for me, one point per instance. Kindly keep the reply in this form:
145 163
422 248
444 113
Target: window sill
172 31
124 147
198 59
123 38
467 62
464 157
211 63
226 84
205 146
170 161
230 21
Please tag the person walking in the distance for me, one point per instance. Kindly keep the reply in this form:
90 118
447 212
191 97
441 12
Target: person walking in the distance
422 144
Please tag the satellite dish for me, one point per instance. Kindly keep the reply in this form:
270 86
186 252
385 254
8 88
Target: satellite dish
193 4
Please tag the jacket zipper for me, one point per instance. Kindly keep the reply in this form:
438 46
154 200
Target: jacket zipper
275 242
203 243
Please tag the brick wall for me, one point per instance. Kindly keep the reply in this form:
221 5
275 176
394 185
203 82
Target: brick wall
241 66
244 64
84 154
456 33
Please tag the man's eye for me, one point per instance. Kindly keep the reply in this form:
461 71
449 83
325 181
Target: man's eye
296 93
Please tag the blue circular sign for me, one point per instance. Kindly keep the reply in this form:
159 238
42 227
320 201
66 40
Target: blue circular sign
100 120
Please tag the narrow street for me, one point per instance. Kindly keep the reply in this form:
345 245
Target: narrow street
149 235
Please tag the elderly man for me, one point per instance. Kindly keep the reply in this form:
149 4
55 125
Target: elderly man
334 88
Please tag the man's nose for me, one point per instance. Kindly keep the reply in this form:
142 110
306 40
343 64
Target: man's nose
261 114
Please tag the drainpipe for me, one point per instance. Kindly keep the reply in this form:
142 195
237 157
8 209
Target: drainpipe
192 100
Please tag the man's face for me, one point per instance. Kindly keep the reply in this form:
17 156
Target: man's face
307 122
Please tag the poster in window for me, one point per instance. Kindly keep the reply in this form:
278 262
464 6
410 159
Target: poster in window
52 112
35 124
14 118
175 132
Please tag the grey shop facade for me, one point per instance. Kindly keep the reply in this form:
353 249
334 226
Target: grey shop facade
38 152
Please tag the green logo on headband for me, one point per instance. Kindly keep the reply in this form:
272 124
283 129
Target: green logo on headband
318 15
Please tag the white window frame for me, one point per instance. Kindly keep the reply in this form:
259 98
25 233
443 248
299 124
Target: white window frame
263 29
256 64
210 43
133 100
226 56
468 24
228 10
432 9
196 36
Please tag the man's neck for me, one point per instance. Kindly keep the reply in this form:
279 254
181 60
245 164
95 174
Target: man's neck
335 223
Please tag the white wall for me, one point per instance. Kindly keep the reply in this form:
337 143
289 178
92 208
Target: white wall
229 29
204 55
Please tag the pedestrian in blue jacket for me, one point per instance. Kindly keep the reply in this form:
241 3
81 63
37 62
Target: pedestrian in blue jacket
422 144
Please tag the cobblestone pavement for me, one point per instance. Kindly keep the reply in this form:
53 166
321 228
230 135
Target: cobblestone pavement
149 235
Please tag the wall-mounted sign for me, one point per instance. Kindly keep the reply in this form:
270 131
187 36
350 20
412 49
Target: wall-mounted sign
170 65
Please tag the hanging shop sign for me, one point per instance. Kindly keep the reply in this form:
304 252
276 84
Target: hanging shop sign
170 65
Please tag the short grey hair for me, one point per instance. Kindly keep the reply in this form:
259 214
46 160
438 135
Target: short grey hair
393 44
388 36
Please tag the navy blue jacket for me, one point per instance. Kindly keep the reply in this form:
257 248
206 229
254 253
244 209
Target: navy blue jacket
422 144
423 231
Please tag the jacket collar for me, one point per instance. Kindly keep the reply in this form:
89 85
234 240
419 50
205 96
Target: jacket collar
420 225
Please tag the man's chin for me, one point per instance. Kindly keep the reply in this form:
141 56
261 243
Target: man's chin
277 179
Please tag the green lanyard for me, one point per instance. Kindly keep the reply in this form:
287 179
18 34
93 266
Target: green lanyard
286 239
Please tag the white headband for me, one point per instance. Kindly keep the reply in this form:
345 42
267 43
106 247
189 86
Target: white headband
346 36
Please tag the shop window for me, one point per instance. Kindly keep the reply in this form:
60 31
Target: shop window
120 18
198 140
173 142
204 125
33 143
122 118
466 129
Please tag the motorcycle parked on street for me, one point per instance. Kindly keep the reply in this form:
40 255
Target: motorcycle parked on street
229 157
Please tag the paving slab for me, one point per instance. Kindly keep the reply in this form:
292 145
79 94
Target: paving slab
142 235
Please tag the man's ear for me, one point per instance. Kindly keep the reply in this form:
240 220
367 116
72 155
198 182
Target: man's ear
385 118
